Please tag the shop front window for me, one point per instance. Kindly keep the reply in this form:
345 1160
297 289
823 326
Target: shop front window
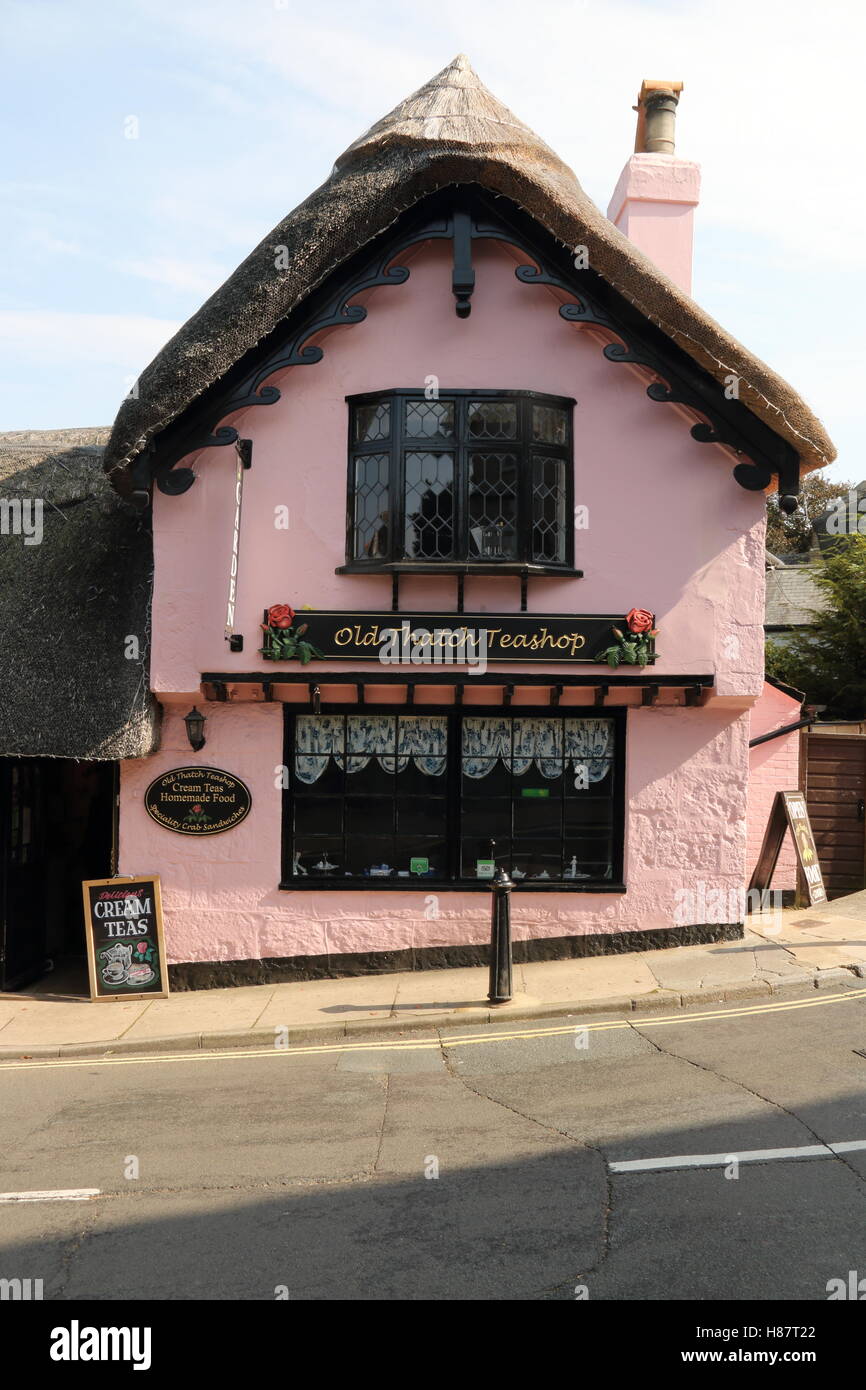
378 797
472 477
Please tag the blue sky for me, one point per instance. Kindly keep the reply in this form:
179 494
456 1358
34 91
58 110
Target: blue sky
238 109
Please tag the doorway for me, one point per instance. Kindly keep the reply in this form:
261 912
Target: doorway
57 827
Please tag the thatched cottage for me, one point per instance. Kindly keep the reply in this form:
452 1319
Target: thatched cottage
433 542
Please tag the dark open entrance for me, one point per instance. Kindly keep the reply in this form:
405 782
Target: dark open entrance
57 827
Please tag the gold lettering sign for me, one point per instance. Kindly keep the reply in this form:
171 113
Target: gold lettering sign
434 638
197 801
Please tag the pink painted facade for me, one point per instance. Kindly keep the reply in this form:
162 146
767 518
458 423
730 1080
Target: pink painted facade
773 766
668 530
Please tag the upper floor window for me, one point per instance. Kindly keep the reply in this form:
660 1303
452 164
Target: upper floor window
472 477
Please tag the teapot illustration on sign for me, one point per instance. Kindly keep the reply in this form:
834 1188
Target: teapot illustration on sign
116 962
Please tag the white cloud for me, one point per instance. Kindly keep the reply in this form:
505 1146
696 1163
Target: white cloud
42 337
196 277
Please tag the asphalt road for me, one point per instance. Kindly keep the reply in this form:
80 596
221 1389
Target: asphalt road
314 1172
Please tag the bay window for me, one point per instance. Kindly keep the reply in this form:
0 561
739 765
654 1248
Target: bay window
480 478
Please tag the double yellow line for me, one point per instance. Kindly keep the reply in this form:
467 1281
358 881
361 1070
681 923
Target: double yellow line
487 1037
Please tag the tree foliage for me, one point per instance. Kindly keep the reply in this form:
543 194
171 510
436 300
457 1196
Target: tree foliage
828 660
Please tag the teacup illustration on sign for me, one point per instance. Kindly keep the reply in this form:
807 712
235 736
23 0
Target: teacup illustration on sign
116 961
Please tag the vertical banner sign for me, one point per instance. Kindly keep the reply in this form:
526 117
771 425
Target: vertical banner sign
236 540
789 812
804 843
125 945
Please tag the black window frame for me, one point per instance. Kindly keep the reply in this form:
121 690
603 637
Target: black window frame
453 883
399 443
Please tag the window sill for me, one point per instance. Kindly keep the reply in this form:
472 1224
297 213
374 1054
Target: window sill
429 885
471 567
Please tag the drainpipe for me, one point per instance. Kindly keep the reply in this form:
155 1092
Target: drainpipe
786 729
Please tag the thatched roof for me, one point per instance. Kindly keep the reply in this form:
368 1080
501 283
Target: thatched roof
67 689
451 131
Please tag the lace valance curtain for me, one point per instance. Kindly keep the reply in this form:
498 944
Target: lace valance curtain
423 738
518 743
546 742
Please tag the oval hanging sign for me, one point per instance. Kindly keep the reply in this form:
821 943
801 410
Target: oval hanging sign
197 800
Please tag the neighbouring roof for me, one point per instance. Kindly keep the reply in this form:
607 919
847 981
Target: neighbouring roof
798 696
451 131
792 596
70 604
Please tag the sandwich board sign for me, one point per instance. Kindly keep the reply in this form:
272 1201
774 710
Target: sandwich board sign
125 944
789 812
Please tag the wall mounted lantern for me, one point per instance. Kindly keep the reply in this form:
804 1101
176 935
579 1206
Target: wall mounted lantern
195 722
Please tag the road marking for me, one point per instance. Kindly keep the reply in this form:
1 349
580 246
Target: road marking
71 1194
652 1165
487 1038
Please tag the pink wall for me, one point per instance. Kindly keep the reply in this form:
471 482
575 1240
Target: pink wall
773 767
669 530
685 850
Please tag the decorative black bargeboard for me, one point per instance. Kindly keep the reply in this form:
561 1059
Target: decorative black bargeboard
197 800
443 639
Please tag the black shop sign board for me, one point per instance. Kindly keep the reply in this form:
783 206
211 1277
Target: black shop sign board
125 944
789 812
440 638
197 800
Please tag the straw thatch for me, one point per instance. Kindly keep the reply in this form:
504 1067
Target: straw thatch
451 131
70 603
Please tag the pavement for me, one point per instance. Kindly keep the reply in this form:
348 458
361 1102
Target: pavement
822 947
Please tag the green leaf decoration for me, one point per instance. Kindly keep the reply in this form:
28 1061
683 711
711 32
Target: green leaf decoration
634 650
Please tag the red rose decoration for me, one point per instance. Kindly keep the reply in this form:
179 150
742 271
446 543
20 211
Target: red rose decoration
281 615
639 620
142 948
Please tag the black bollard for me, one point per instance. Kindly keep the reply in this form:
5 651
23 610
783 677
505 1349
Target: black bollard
500 988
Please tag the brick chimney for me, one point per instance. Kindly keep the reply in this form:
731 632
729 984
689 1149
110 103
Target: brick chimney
654 201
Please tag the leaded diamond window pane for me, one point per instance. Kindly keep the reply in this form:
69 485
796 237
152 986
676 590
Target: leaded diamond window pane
492 420
549 424
372 422
430 419
548 510
493 506
371 524
429 506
